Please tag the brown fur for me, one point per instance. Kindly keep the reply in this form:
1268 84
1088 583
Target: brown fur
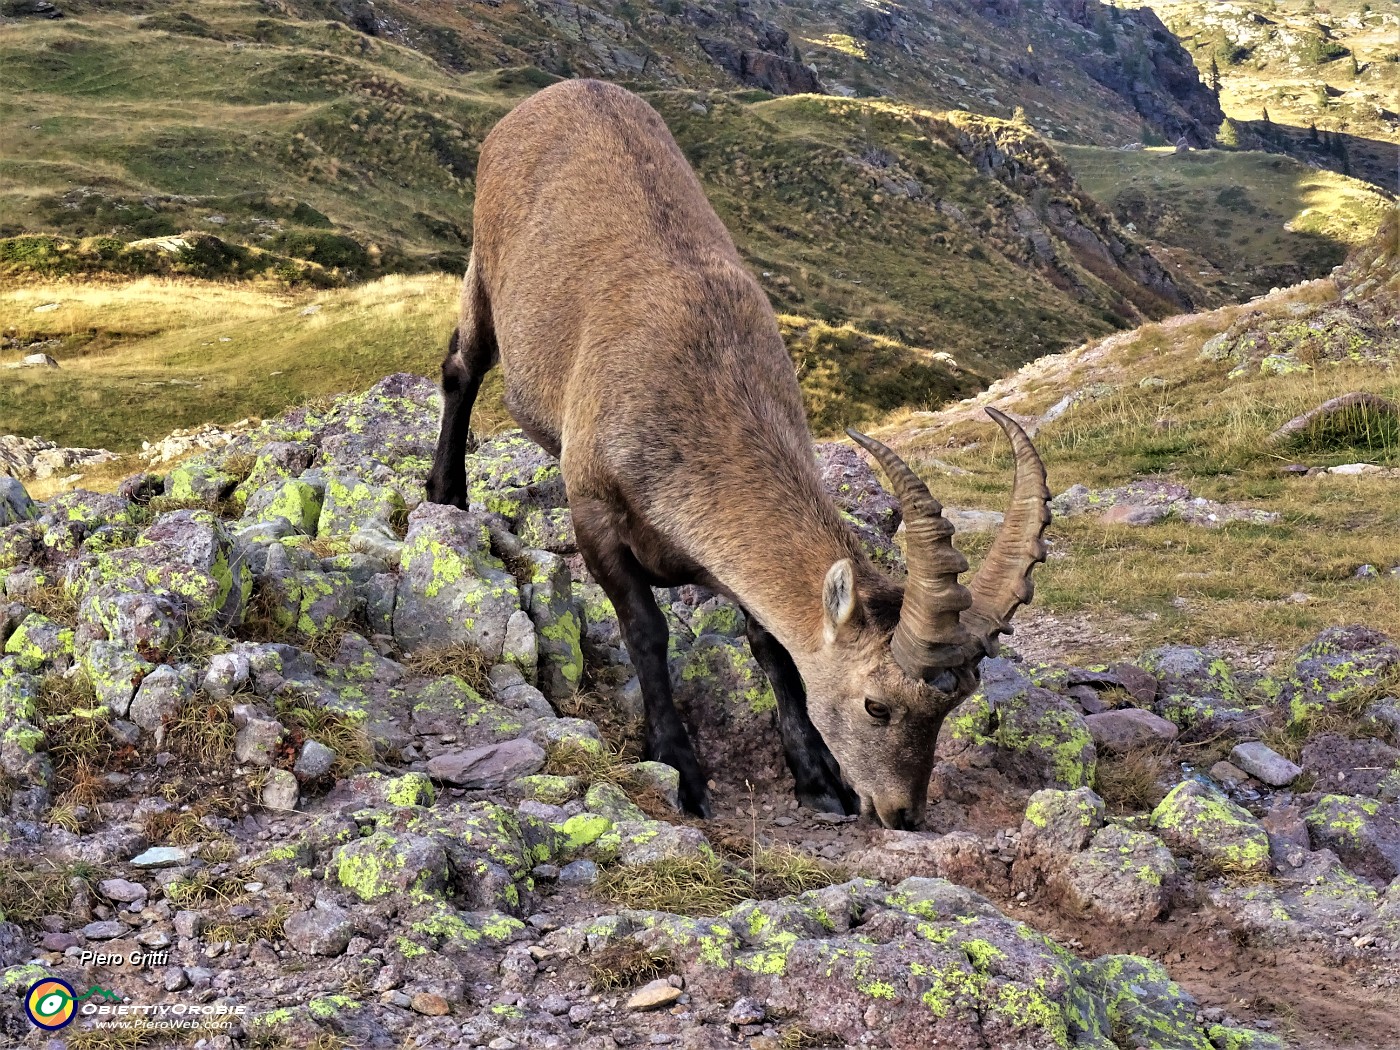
638 349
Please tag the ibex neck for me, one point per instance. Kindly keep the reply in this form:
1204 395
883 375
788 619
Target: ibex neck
776 557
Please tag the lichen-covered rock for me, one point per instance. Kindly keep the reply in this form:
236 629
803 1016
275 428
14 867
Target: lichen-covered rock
924 964
453 589
959 856
298 503
351 504
1035 737
39 643
727 703
1363 832
115 673
1309 902
1057 825
510 475
1195 686
309 602
196 479
1127 728
551 609
1222 836
407 868
1124 876
1331 668
186 558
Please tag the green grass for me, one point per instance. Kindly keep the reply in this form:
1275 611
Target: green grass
1174 582
1256 220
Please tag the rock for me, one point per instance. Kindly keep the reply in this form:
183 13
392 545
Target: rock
579 873
1128 514
382 865
1220 835
1348 766
1127 728
105 930
1195 686
1334 666
958 856
1363 832
1146 502
160 857
493 766
551 609
1264 763
280 790
1057 825
115 673
453 590
296 502
315 761
258 737
521 647
15 504
746 1011
325 929
1228 774
1371 403
430 1004
1124 876
162 694
122 890
1037 738
654 995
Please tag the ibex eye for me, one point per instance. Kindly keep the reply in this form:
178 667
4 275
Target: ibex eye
876 710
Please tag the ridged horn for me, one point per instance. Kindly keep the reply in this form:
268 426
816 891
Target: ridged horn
930 635
1003 580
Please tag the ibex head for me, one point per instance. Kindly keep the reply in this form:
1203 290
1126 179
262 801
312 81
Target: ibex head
881 686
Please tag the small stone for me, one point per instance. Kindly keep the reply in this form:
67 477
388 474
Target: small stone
188 924
280 790
1264 763
314 762
104 930
325 929
579 873
488 767
1228 773
160 857
1129 727
430 1005
582 1013
121 890
653 996
175 979
747 1011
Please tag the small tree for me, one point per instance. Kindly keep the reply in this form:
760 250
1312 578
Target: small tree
1214 77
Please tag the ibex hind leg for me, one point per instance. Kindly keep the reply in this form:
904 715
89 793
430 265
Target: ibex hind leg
470 354
814 768
644 630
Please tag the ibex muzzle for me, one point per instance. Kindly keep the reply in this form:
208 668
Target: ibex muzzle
638 349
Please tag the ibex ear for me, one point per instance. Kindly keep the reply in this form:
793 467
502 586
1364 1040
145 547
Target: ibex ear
840 603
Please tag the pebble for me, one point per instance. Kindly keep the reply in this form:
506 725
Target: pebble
653 996
160 857
746 1011
429 1005
104 930
121 890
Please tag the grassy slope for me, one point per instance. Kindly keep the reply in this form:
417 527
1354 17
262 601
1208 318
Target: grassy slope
1255 220
1295 58
1171 581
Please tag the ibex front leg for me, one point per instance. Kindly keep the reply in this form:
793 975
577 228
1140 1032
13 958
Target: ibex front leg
644 630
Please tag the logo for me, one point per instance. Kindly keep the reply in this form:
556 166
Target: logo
51 1003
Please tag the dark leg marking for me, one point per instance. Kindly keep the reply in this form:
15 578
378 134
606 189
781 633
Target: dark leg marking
470 354
818 774
644 630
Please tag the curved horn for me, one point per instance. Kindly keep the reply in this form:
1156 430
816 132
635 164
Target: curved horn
930 634
1003 580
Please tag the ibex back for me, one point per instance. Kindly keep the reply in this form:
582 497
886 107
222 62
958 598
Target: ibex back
638 350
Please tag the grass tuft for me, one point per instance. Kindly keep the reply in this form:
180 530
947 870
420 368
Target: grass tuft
464 661
29 890
626 964
1133 781
708 885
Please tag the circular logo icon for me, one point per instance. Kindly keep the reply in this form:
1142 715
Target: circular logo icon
50 1003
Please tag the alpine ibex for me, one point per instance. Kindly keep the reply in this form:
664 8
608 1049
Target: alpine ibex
639 351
